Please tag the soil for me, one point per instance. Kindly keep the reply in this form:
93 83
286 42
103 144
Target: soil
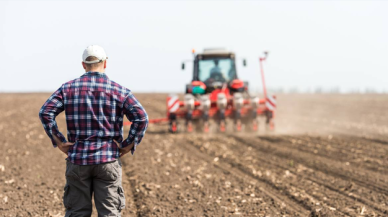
327 157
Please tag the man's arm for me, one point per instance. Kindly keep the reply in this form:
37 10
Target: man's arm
138 116
50 109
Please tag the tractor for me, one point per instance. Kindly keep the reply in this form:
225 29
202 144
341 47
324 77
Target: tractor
216 93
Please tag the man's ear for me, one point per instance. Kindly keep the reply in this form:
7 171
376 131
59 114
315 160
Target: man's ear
84 65
105 64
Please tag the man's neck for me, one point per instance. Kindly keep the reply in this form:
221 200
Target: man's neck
95 70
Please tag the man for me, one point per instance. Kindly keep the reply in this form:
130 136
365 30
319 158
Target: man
216 73
94 107
216 68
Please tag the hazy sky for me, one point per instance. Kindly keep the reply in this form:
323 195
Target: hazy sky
311 43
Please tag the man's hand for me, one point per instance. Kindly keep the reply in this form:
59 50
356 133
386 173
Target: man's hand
63 146
126 150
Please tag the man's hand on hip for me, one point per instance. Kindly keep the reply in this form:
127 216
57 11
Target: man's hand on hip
63 146
126 150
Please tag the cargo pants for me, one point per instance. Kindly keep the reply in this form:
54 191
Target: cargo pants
102 180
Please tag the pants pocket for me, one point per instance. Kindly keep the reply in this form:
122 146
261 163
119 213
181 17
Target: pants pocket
121 204
72 171
107 172
66 199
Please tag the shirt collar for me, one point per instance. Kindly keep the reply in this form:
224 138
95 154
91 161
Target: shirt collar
95 74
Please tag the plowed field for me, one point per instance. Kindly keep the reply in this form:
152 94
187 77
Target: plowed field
327 157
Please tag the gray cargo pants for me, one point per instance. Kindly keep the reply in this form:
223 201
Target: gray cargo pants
104 180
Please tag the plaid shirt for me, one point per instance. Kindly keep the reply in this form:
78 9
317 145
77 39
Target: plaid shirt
94 107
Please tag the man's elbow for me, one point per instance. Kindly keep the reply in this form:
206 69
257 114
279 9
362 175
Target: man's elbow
42 114
146 119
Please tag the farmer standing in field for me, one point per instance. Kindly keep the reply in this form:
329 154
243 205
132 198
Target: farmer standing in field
94 107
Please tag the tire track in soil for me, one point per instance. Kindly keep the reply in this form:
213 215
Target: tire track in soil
278 177
378 208
131 207
319 181
295 206
137 197
319 163
327 127
344 193
139 201
307 201
359 143
358 155
378 141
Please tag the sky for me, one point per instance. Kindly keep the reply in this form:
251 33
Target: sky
311 44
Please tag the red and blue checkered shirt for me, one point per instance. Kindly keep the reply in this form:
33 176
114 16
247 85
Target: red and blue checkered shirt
94 107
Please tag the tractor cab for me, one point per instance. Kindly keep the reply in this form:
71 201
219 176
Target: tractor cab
213 69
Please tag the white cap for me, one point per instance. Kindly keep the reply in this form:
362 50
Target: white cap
94 51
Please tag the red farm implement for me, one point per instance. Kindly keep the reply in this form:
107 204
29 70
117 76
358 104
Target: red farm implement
217 95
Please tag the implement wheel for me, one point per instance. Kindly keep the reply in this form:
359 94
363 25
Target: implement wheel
173 124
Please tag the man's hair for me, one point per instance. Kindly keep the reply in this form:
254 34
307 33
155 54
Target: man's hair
92 65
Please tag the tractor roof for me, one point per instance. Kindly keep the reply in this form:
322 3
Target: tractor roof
216 52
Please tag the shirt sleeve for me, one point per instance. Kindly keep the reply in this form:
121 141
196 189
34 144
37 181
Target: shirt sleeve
50 109
139 118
